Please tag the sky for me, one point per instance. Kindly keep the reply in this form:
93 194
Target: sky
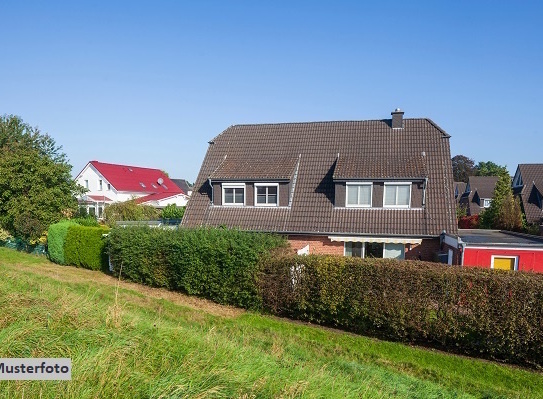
149 83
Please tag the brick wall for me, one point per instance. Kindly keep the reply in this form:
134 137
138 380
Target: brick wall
424 251
317 244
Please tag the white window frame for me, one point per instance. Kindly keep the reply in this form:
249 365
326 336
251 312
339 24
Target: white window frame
484 202
233 185
397 184
492 257
266 185
352 242
87 184
358 184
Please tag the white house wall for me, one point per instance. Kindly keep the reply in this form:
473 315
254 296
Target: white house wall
93 177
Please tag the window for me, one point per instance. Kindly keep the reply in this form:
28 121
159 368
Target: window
397 195
359 194
486 203
100 185
142 185
233 194
266 194
87 184
108 186
355 249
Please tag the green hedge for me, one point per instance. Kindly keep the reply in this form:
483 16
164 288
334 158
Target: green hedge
476 311
56 236
86 247
219 264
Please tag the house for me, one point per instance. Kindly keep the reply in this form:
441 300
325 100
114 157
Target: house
498 250
184 185
478 194
373 188
528 185
459 189
107 183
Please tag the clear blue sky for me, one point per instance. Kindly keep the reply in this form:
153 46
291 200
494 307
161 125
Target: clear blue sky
149 83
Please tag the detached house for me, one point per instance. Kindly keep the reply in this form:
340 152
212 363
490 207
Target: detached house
375 188
479 193
528 185
108 183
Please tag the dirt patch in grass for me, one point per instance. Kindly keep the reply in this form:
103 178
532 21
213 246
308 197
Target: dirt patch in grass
77 275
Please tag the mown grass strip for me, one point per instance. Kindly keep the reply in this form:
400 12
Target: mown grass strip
166 345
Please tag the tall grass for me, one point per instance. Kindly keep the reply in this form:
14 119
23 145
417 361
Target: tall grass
165 345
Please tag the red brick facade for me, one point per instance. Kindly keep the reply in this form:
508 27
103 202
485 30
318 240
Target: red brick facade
427 250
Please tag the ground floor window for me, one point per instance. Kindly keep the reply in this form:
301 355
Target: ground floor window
375 250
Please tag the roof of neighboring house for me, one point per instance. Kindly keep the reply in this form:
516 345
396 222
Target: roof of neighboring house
483 187
312 155
156 197
184 185
532 191
479 237
135 178
460 186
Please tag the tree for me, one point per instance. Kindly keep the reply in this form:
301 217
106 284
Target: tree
504 211
129 210
490 169
36 186
463 167
173 211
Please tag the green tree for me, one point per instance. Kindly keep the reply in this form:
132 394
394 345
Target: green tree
490 169
504 211
173 211
129 210
463 167
36 186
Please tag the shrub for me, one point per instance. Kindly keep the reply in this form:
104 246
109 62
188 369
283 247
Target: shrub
475 311
469 222
86 247
55 240
129 210
173 211
218 264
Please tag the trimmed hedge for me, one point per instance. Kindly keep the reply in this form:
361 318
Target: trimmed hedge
219 264
86 247
56 236
475 311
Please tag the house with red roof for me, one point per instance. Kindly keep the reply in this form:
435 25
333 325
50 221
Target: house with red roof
108 183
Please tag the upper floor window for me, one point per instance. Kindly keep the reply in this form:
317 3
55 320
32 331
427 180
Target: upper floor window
486 202
100 185
233 194
359 194
397 195
86 184
266 194
109 186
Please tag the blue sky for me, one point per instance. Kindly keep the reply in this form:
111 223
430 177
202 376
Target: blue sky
150 83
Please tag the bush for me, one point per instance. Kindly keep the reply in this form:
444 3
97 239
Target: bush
86 247
55 241
475 311
173 211
469 222
129 210
218 264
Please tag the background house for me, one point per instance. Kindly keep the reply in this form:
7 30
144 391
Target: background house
108 183
528 186
478 194
459 189
381 188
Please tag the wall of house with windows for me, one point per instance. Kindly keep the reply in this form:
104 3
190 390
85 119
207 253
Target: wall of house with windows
251 193
97 185
367 194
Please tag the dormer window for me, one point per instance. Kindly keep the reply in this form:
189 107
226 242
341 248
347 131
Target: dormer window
233 194
359 194
266 194
486 202
397 195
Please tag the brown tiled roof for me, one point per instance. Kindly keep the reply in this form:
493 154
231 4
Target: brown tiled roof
315 146
242 168
460 186
532 179
355 167
484 187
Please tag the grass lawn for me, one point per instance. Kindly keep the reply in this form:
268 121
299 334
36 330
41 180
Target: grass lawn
138 342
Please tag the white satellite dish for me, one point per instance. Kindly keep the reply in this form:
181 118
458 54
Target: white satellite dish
160 180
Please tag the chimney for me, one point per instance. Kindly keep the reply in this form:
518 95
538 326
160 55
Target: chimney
397 119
